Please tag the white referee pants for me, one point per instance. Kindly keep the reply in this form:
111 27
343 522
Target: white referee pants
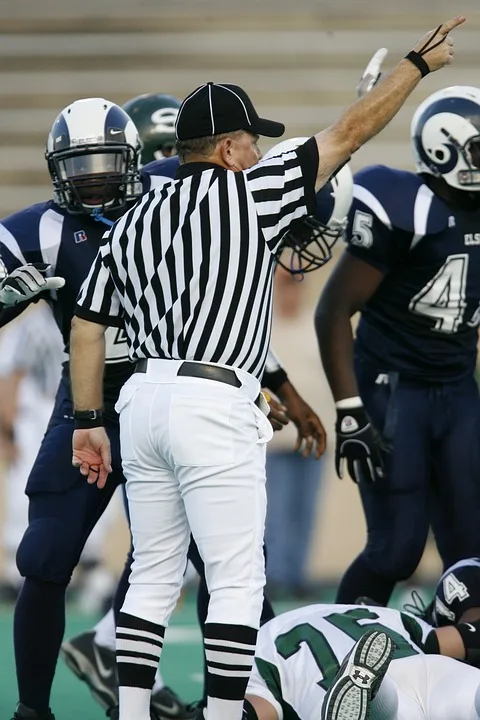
193 453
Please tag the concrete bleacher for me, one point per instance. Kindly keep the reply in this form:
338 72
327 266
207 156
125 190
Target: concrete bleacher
300 65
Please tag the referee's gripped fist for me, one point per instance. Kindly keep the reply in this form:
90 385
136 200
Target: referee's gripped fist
436 47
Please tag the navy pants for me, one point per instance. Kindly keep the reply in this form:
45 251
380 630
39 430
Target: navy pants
432 473
63 508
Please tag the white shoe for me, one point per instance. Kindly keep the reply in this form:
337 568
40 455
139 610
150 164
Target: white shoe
360 676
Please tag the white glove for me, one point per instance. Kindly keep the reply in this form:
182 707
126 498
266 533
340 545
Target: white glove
371 74
26 282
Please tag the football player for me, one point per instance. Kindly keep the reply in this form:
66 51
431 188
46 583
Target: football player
352 662
93 156
407 400
154 115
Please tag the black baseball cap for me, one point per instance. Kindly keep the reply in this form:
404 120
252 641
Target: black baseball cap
214 108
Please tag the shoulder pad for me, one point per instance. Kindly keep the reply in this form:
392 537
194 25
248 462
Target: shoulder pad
165 168
26 219
401 200
24 225
20 232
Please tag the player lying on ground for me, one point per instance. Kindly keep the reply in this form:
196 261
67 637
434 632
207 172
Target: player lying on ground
351 662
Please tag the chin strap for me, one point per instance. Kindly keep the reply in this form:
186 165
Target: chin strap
97 215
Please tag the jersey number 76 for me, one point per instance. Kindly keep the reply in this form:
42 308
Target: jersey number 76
348 622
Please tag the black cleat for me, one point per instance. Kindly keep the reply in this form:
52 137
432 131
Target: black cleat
24 713
359 678
93 664
166 705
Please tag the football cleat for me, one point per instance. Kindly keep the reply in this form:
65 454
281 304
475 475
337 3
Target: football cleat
359 678
166 705
93 664
24 713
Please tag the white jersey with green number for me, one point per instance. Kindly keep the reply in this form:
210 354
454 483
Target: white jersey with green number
299 652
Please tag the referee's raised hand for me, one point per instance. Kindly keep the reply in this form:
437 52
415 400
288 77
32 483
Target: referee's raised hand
91 454
435 49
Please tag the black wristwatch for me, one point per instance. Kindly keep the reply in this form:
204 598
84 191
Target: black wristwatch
85 419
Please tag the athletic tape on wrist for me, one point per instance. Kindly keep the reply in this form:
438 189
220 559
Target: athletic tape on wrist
419 62
349 403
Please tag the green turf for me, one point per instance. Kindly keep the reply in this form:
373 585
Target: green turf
71 700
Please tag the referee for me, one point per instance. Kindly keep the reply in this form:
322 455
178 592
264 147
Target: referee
188 272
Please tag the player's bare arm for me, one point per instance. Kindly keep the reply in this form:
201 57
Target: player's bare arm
461 642
91 446
350 286
369 115
264 709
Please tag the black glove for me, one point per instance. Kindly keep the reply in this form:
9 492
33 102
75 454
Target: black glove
26 282
357 443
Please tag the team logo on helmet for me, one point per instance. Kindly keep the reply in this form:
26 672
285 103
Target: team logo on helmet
446 136
163 120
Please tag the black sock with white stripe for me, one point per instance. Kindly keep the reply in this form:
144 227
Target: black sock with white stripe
139 645
229 650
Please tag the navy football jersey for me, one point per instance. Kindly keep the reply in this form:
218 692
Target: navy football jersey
153 172
422 320
69 243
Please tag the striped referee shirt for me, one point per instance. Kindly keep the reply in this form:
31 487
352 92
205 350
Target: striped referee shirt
189 269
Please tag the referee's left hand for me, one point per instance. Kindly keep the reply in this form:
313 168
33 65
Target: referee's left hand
92 454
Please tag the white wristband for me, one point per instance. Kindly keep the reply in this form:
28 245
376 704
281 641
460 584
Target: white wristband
349 403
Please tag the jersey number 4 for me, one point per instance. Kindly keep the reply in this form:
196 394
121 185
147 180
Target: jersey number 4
443 297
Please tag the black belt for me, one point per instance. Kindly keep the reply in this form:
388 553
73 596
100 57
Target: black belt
200 370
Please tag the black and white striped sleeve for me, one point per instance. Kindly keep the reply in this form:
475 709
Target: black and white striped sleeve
98 300
283 189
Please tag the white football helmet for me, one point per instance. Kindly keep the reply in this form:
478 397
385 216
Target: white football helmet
445 133
311 240
93 156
